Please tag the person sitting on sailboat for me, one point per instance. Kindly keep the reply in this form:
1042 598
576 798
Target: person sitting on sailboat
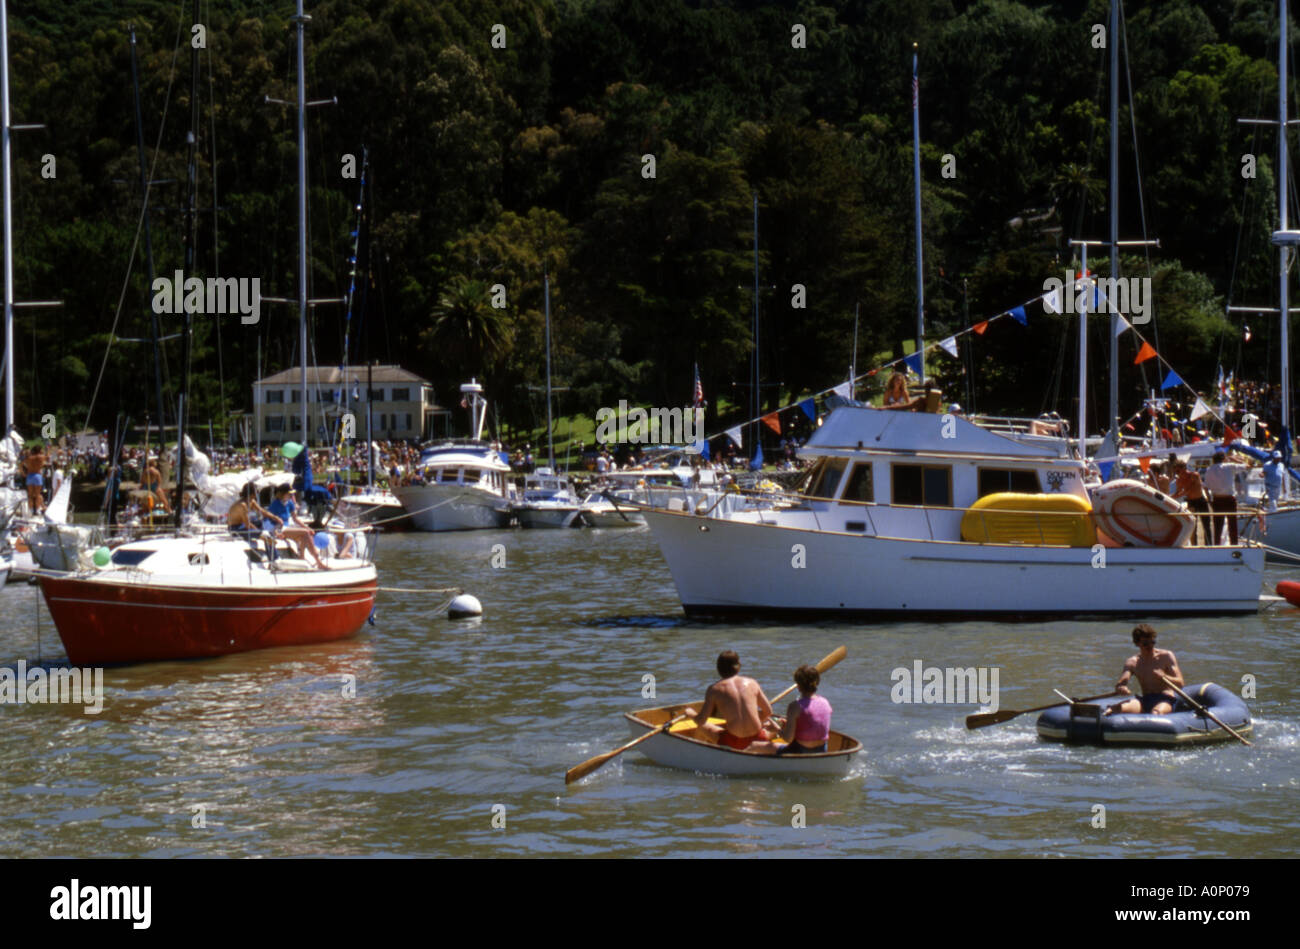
245 516
284 509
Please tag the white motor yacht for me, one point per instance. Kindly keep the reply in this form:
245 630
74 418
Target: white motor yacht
897 519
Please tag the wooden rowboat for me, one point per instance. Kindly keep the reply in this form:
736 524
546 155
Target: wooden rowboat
679 748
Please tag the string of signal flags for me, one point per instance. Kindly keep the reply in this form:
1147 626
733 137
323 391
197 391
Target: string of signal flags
1050 300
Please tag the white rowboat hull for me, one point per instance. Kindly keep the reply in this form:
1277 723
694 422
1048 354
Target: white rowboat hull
678 751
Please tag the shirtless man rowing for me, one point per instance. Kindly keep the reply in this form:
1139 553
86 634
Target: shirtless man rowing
1157 698
739 701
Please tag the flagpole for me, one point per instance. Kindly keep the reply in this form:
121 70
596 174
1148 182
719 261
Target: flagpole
853 367
916 174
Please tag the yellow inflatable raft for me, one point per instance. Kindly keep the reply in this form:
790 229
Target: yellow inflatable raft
1052 520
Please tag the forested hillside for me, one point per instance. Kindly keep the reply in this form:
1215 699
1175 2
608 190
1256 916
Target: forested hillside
489 164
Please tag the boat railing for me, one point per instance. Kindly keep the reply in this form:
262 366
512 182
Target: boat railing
1048 525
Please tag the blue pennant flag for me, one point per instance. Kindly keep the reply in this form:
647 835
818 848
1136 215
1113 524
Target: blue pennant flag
1018 314
809 409
703 447
757 461
1171 380
913 363
1105 467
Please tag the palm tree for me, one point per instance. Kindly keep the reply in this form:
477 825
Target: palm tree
467 328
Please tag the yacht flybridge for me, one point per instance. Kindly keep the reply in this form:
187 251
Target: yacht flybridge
912 513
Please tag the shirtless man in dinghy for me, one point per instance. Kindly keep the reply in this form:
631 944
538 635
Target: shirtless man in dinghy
739 701
1157 698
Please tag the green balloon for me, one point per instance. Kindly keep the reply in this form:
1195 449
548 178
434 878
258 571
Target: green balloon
291 449
102 557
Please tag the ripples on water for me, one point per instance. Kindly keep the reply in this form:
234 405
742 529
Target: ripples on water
450 719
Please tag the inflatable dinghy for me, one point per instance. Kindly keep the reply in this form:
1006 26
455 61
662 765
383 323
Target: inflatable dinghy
1080 724
1053 520
1290 591
1137 514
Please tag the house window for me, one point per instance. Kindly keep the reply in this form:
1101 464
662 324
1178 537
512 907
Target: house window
295 423
998 480
294 395
275 423
408 421
376 395
859 488
401 395
275 395
928 485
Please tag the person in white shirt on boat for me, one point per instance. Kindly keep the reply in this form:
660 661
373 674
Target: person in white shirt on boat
1220 480
1157 697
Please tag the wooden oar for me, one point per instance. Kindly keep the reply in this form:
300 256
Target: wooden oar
981 719
1203 710
591 764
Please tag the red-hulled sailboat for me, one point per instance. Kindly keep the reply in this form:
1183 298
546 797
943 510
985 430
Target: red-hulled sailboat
201 594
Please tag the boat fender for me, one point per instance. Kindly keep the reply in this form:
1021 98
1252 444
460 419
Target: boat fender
463 606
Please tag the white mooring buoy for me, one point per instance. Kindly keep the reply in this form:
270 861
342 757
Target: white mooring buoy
463 606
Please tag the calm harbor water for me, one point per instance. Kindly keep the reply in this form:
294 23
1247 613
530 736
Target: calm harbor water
451 719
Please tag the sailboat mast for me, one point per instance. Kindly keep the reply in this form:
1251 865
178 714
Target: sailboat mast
300 20
1112 416
191 238
755 399
916 174
154 328
1083 356
8 216
550 436
1285 249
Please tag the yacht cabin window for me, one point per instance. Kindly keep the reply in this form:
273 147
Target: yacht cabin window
826 477
447 475
471 475
922 485
1014 480
859 488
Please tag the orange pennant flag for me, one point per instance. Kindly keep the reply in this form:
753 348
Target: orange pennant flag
1146 352
1144 464
981 327
772 422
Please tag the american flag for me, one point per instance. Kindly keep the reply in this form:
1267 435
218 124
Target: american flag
699 389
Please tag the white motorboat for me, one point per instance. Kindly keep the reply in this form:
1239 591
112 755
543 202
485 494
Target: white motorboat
877 531
548 501
460 485
607 509
374 506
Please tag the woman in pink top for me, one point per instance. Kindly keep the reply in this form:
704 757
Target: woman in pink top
807 724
